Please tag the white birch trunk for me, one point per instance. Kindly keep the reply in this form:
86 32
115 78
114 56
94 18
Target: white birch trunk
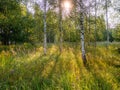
82 32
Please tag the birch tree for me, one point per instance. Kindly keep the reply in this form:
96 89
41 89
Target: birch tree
89 23
82 30
95 22
60 24
45 28
107 22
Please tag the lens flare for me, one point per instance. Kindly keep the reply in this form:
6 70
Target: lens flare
67 5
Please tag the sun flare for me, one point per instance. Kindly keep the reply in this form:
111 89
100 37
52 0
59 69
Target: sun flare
67 5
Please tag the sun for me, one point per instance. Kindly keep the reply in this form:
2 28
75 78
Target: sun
67 5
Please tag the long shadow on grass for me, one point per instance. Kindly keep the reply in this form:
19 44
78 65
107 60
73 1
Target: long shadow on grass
45 61
39 81
27 71
38 65
48 80
99 82
54 76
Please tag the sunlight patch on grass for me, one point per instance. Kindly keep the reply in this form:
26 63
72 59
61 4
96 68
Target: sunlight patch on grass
32 70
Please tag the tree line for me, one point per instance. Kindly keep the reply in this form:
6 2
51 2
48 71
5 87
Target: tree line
47 22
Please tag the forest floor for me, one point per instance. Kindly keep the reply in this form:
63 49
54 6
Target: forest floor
26 68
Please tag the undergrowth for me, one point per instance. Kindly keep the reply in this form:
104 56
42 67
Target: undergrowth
23 68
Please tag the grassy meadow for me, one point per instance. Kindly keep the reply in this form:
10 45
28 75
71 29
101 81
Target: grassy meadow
25 67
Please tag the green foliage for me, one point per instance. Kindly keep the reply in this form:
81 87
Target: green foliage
100 33
14 27
18 25
70 33
116 33
52 27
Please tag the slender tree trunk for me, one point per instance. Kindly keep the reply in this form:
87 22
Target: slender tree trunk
95 32
60 25
107 22
89 26
86 17
82 32
45 34
76 26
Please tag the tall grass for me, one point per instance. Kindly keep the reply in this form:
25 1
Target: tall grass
26 68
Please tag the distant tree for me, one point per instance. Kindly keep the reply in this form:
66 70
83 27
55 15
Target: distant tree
45 28
107 22
116 33
52 25
95 22
60 24
39 25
